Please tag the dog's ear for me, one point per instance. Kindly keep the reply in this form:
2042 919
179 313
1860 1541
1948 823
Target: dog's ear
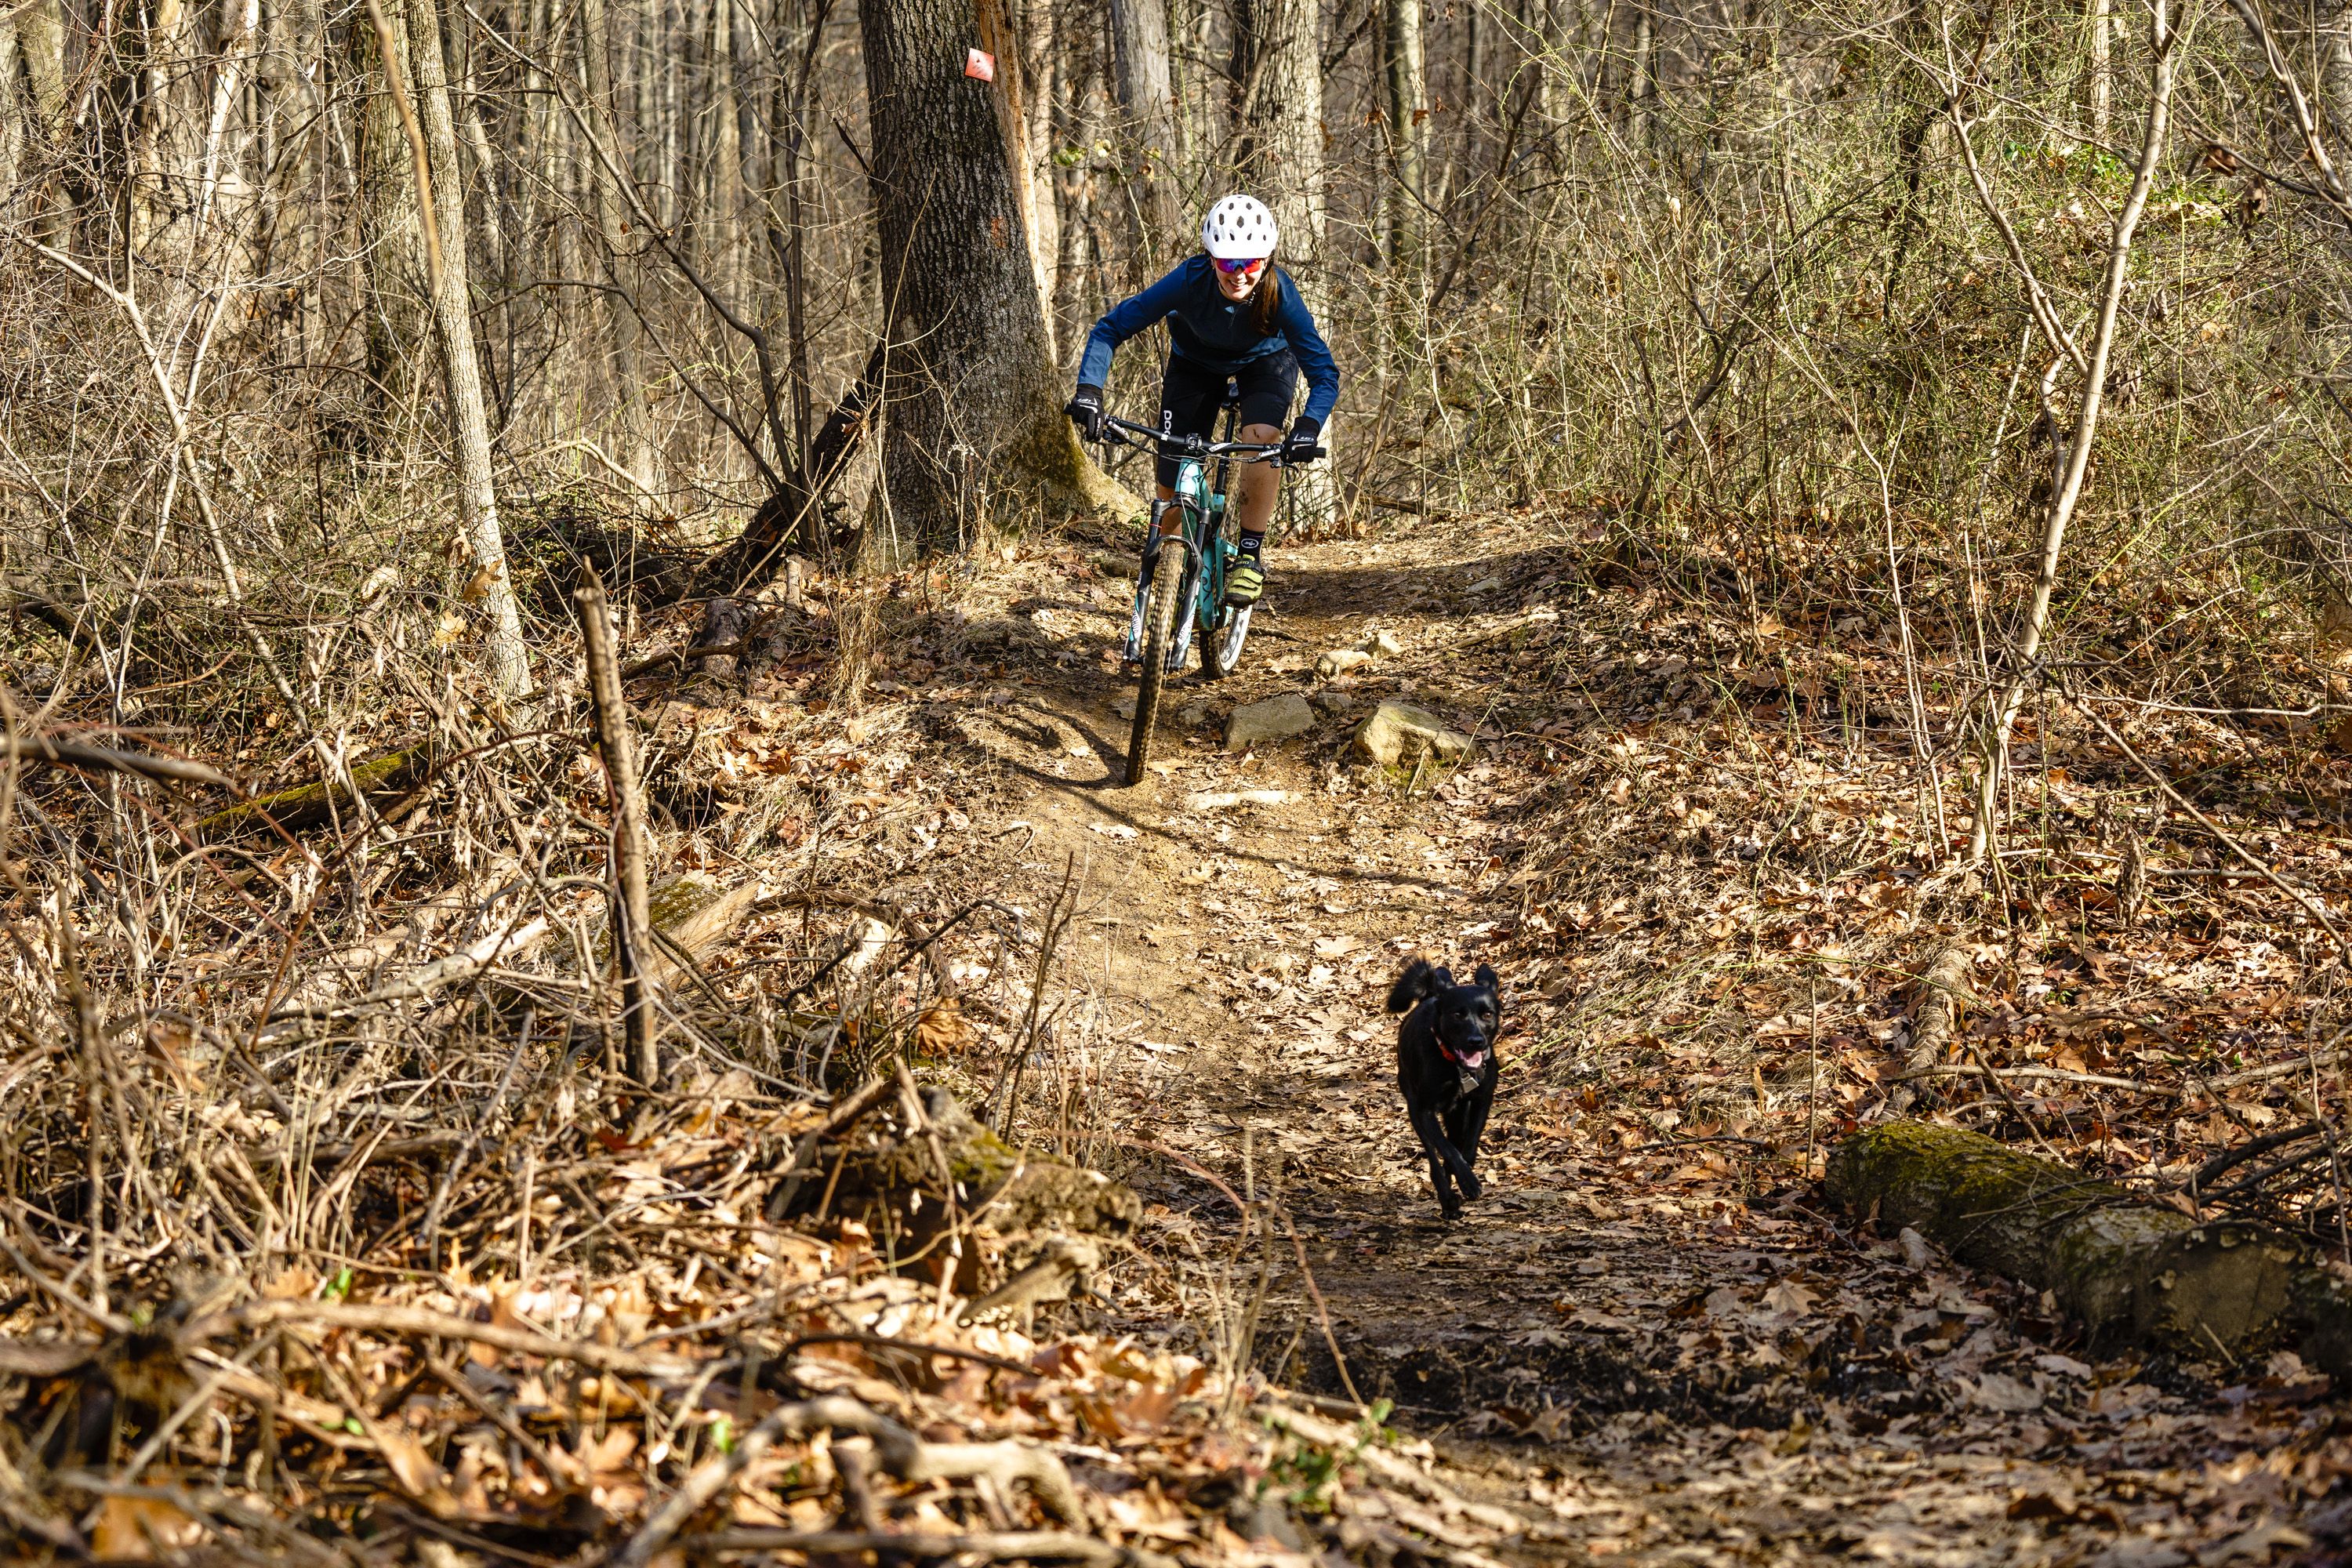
1415 983
1487 980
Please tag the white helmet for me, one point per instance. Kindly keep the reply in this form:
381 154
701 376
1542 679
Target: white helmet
1238 227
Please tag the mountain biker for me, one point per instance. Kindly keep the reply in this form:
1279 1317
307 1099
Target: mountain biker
1232 315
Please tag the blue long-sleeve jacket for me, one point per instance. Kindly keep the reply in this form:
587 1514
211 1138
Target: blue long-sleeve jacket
1217 334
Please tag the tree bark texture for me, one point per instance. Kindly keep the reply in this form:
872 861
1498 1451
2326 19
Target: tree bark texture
1407 96
1276 47
392 231
725 252
469 421
973 402
2132 1271
1150 150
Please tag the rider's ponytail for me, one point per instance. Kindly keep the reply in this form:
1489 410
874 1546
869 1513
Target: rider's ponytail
1266 300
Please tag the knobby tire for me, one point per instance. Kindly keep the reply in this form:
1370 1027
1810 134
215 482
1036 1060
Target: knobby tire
1159 631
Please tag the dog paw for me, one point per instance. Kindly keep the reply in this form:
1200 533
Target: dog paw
1452 1212
1470 1187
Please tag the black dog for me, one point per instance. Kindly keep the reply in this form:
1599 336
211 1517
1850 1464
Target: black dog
1447 1067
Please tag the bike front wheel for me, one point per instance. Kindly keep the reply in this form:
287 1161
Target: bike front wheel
1167 579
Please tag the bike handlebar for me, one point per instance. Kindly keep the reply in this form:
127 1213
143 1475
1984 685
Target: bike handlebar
1174 445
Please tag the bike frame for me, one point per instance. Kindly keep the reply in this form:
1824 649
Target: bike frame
1159 606
1208 553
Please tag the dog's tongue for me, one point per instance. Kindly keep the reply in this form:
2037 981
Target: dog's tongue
1474 1060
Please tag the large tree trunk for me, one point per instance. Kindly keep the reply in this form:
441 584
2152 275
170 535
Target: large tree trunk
634 430
974 419
1015 40
1150 147
1277 46
161 198
1076 283
469 421
2129 1270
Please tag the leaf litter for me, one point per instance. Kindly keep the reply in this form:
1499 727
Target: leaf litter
1710 893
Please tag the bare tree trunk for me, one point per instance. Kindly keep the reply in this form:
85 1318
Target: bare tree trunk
1407 113
2025 672
747 54
1278 54
295 72
788 161
160 203
2103 66
630 906
638 453
1642 86
1149 145
725 217
1074 185
469 423
974 403
1002 38
11 115
392 232
40 38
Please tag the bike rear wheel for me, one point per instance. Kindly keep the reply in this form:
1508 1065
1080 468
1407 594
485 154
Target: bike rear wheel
1167 579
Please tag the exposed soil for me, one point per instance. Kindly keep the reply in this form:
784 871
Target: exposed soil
1665 1353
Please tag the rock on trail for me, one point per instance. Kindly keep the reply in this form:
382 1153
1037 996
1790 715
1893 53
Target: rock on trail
1276 718
1399 732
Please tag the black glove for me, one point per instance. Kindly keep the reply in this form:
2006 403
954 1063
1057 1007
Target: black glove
1300 446
1085 410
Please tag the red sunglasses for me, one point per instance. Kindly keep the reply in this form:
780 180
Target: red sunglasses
1232 265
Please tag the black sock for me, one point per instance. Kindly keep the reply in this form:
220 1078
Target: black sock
1252 548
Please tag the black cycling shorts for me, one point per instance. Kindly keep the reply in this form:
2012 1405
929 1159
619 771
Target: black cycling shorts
1191 398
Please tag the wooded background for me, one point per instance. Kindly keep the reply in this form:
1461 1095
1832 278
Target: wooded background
1790 293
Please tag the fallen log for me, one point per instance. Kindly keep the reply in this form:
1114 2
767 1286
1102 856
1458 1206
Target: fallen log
384 781
2132 1271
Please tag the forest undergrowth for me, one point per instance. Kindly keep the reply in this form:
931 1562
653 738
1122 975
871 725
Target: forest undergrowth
337 1230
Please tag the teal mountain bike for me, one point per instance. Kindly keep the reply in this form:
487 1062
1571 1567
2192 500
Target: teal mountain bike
1160 630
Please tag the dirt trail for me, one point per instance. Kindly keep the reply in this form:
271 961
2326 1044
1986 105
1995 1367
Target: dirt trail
1641 1374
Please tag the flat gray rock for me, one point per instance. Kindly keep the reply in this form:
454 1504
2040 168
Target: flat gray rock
1276 718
